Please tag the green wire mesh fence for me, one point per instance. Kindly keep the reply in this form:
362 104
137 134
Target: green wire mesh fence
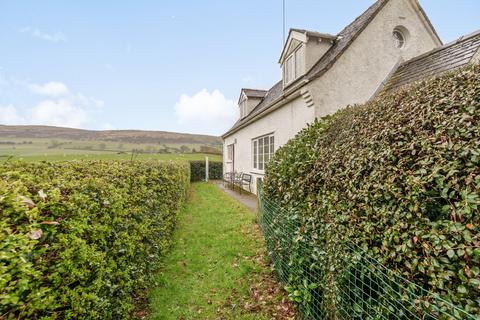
362 288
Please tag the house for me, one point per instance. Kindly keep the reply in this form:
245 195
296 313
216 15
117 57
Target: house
392 43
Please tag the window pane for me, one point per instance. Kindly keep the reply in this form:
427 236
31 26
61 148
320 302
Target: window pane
266 149
292 68
255 154
298 62
272 146
289 71
260 154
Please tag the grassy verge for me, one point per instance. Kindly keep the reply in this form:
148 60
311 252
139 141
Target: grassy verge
217 268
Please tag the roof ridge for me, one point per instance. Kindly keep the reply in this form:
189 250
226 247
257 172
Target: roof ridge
314 32
254 89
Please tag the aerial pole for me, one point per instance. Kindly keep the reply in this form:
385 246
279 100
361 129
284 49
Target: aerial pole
284 23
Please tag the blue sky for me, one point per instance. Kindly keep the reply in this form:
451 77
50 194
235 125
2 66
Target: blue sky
160 65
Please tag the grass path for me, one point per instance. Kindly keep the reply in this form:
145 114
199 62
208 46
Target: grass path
217 268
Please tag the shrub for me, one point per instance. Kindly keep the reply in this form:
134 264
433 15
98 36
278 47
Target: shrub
79 239
197 168
398 177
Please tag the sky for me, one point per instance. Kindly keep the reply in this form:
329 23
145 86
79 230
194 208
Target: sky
161 65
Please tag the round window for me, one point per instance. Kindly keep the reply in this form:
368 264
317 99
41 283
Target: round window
399 38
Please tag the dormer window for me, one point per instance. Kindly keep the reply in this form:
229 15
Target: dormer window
301 51
249 99
294 65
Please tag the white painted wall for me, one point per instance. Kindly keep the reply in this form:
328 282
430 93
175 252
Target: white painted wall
315 49
284 123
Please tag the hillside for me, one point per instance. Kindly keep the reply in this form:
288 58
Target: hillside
127 136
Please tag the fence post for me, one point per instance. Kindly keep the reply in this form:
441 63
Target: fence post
206 169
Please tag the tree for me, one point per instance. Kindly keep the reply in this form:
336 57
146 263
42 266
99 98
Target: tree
184 149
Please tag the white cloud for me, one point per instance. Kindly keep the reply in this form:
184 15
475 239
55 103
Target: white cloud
53 89
85 101
57 106
206 112
61 112
54 37
9 115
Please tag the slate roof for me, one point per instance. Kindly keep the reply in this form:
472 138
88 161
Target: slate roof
435 62
254 93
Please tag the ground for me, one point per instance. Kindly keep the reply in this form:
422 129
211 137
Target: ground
218 268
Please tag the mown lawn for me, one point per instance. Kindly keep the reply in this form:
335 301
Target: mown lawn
217 268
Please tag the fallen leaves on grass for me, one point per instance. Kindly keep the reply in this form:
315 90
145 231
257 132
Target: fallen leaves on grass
265 296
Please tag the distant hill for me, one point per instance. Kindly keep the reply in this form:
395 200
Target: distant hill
127 136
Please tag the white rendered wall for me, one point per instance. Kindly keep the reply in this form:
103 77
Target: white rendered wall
284 123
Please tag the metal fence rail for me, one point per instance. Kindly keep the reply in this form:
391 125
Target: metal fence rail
362 288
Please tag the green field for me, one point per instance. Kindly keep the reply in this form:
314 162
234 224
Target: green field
33 149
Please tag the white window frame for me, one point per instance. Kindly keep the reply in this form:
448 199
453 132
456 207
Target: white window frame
263 149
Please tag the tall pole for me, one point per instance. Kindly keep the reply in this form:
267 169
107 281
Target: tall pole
284 24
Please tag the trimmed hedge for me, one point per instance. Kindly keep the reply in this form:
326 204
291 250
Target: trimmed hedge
197 169
399 177
79 239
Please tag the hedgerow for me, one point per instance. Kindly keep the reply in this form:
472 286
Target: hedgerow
197 169
398 177
78 240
